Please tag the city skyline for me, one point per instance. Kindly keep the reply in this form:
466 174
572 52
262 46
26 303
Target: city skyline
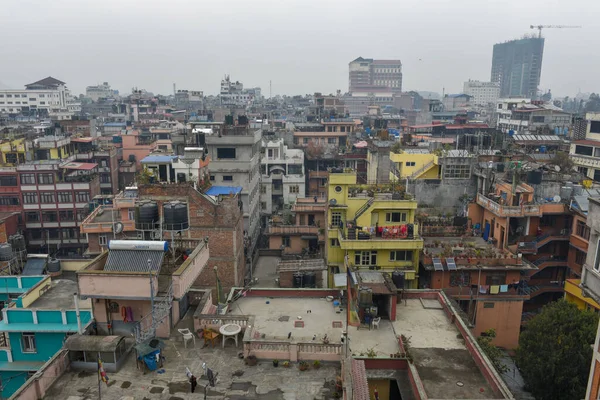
304 58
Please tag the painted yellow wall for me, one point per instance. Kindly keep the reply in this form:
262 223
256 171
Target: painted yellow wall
7 147
383 388
339 185
420 160
73 265
34 293
573 294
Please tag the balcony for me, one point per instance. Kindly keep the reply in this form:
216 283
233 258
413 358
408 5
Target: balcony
293 230
466 293
391 241
102 220
508 211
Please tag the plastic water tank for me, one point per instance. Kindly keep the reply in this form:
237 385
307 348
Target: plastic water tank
398 278
17 242
310 280
565 192
146 215
53 265
298 279
175 215
6 253
534 177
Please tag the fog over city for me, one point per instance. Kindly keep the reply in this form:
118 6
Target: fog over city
300 46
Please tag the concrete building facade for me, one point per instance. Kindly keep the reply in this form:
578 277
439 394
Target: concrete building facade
365 73
517 67
482 93
46 94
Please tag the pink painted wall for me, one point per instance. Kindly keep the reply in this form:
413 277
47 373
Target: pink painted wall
35 388
182 281
113 285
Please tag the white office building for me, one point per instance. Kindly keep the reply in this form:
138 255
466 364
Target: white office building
99 92
482 93
234 94
282 176
46 94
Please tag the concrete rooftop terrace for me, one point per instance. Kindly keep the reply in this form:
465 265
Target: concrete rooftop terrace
275 321
440 355
60 296
235 380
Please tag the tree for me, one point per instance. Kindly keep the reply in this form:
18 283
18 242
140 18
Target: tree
554 353
494 353
563 160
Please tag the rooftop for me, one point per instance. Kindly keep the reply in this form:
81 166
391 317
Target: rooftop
223 190
59 297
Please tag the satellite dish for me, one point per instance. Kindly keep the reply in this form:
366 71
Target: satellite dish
118 227
333 202
557 168
556 199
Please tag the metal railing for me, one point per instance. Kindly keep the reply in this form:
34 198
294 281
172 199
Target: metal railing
421 170
146 328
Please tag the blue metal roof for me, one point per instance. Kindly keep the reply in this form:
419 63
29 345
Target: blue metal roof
157 159
115 124
223 190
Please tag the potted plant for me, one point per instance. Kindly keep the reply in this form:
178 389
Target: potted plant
251 360
286 364
275 363
303 366
317 364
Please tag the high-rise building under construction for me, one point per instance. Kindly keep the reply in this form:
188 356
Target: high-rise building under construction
517 67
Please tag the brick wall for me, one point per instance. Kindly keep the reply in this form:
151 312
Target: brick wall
222 222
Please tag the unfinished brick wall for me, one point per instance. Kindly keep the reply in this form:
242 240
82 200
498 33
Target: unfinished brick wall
222 222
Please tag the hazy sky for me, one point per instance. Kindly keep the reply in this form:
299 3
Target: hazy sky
302 46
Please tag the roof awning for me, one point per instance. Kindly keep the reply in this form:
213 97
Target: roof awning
80 166
103 344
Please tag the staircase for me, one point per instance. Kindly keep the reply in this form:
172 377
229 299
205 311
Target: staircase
146 328
421 170
395 171
352 233
364 208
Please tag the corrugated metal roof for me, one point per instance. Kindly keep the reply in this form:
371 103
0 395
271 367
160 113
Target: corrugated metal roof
133 260
34 266
157 159
223 190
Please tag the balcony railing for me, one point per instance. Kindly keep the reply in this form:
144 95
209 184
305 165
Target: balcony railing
389 233
508 211
292 230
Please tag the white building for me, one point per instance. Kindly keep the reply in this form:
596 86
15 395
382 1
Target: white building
521 116
46 94
483 93
99 92
234 94
282 176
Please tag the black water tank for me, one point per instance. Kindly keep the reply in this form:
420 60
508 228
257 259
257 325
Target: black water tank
298 279
398 279
53 265
17 242
310 280
534 177
146 215
175 214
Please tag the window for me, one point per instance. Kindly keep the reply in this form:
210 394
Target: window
597 260
104 178
30 198
263 205
66 215
226 152
580 257
331 140
83 197
27 179
131 214
583 230
584 150
488 305
65 197
401 255
45 178
395 217
410 163
457 171
9 201
366 258
69 233
263 189
9 95
32 216
47 197
495 278
305 140
102 241
285 240
228 178
336 218
49 216
594 126
460 278
81 214
10 180
32 99
334 242
42 95
28 342
294 189
42 102
537 119
212 177
338 189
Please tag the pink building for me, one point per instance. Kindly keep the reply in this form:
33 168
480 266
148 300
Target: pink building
137 145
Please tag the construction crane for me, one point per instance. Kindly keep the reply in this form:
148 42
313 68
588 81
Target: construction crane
540 27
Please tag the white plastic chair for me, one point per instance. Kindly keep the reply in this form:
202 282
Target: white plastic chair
187 336
376 322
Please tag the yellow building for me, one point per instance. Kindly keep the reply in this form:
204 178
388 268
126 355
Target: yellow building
13 152
370 229
416 164
574 295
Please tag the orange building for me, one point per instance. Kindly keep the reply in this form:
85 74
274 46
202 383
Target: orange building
510 218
